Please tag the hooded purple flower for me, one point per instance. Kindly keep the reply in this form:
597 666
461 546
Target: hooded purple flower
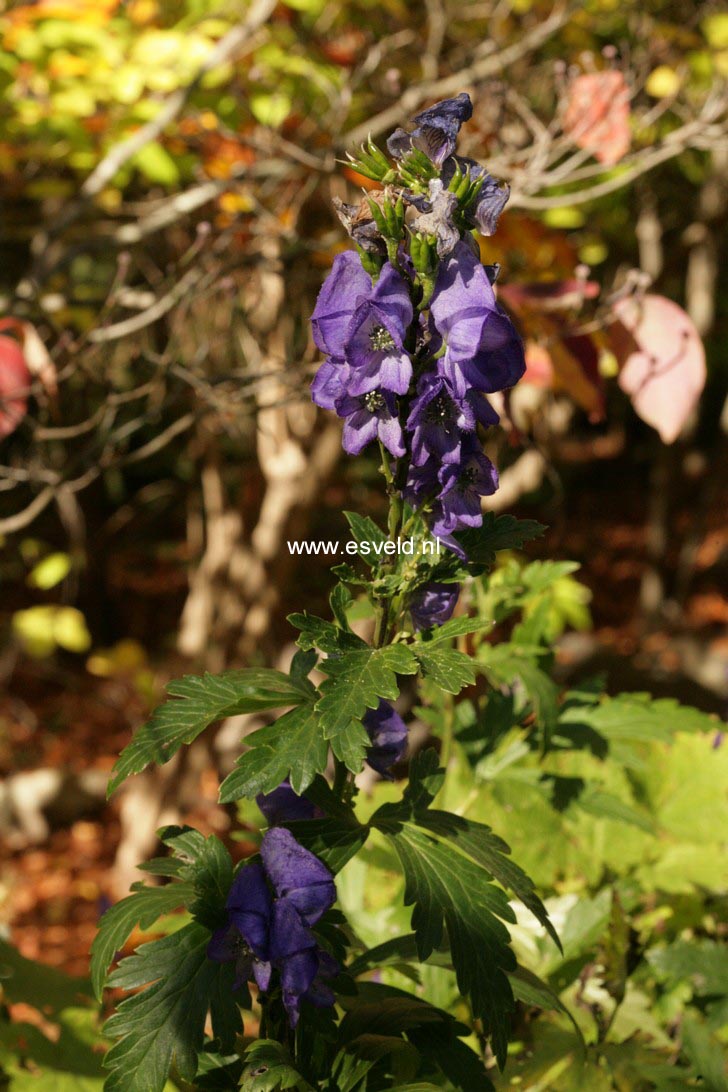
438 419
433 604
269 931
370 416
483 349
436 130
462 486
346 287
296 875
388 733
375 349
283 805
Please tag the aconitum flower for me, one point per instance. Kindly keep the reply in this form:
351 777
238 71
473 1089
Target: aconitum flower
483 349
462 486
436 130
347 285
433 604
375 339
370 416
271 905
388 733
438 419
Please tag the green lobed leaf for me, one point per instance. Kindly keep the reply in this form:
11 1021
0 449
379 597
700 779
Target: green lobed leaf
638 718
318 633
203 873
529 989
199 701
294 746
269 1067
445 667
364 529
163 1025
511 664
456 627
358 678
449 890
143 907
497 532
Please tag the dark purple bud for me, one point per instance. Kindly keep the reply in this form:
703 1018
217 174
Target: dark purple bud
283 805
436 130
388 733
433 604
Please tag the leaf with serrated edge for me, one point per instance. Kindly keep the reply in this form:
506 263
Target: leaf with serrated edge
164 1024
357 680
294 746
199 702
449 890
446 667
141 908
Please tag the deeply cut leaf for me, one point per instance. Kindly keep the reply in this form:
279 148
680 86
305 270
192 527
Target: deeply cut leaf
199 702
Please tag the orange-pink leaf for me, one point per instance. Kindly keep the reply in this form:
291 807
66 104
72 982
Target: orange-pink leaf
597 115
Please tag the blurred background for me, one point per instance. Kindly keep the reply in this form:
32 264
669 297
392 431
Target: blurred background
168 168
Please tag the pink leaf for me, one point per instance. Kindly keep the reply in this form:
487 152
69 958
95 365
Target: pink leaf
15 381
662 361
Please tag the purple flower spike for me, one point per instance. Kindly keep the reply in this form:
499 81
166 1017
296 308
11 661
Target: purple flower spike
388 733
297 875
433 604
283 805
370 416
347 286
436 130
375 346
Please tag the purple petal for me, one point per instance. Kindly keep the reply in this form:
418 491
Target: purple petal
297 875
329 383
347 285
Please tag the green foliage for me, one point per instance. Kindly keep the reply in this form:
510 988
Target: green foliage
294 746
199 702
269 1067
201 872
164 1024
